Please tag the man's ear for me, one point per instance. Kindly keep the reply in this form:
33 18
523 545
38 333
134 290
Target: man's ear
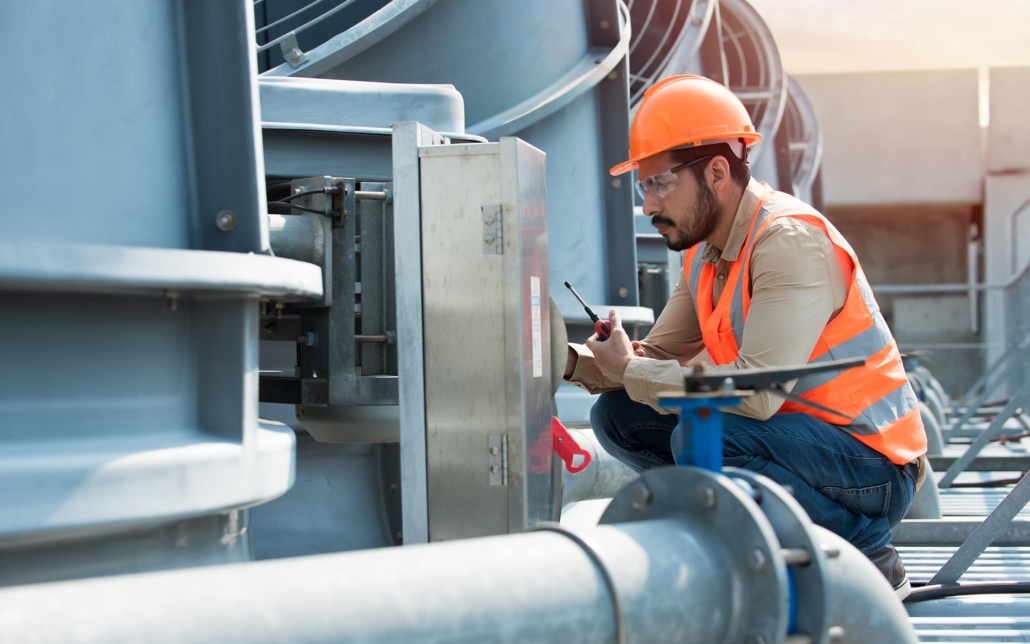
719 172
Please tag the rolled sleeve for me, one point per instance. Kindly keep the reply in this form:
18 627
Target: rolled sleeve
585 374
647 380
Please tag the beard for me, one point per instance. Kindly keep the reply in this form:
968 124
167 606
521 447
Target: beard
692 230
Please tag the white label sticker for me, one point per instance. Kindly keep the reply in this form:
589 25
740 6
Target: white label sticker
538 343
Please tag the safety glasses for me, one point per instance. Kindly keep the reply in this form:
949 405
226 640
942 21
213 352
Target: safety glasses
663 183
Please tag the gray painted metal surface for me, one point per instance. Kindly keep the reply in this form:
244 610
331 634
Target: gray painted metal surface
562 87
352 104
129 399
346 497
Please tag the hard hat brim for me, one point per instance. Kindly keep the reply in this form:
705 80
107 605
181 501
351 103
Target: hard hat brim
750 138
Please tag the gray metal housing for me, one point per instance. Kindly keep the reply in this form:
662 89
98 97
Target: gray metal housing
130 274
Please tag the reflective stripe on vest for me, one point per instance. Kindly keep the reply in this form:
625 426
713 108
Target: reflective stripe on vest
877 398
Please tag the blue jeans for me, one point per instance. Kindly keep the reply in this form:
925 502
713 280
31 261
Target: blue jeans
845 486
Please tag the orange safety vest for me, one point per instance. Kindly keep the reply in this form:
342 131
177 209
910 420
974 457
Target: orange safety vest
877 397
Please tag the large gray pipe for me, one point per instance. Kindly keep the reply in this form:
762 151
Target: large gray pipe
707 567
535 587
605 475
301 237
863 606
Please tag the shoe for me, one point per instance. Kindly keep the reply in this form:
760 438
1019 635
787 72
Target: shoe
888 562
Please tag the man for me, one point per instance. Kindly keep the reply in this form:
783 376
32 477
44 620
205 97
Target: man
768 282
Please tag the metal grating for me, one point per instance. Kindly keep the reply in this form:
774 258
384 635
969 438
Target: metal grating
996 564
973 620
753 63
665 35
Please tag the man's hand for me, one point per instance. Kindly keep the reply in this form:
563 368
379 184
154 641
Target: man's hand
612 355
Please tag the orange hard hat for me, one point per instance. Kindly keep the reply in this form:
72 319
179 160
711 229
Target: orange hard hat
685 110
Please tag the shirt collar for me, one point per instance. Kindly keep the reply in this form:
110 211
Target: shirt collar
742 219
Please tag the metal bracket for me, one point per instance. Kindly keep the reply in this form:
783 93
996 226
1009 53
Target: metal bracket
493 230
292 52
498 458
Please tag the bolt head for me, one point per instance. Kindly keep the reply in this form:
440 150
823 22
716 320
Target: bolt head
604 24
757 562
494 451
641 496
295 54
623 291
226 220
706 497
616 183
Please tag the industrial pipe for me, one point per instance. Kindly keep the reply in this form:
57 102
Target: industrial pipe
300 237
535 587
683 555
864 607
605 475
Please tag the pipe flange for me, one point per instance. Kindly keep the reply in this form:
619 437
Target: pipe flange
796 534
716 508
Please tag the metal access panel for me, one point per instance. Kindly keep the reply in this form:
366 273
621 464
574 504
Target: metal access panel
486 338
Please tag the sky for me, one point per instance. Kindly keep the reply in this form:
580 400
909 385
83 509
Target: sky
828 36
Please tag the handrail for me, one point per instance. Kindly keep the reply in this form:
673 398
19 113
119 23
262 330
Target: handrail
926 289
314 21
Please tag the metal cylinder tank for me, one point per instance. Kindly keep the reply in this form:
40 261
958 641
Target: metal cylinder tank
131 269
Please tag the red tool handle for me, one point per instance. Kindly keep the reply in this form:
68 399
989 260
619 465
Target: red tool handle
567 447
603 329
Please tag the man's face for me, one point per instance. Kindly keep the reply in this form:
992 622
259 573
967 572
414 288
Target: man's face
687 214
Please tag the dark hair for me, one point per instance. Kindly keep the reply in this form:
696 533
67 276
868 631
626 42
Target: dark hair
739 171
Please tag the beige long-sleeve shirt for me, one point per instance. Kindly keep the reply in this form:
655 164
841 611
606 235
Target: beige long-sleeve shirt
797 283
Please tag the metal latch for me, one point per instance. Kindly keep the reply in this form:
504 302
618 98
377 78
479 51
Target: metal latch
498 458
493 231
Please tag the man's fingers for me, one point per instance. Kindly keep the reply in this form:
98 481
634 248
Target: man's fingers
614 319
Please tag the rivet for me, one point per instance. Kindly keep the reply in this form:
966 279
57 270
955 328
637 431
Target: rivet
604 24
494 451
226 221
757 562
623 291
173 300
616 183
706 497
641 496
